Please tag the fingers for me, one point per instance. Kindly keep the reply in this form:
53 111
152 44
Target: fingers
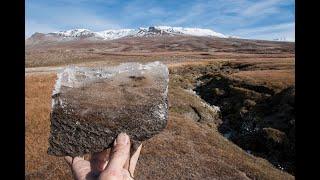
77 158
134 160
126 165
119 156
120 151
99 160
68 160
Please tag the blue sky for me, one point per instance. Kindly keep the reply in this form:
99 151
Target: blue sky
257 19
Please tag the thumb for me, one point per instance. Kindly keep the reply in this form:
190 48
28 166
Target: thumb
119 155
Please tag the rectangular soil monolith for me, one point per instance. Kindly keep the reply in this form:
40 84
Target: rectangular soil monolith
91 106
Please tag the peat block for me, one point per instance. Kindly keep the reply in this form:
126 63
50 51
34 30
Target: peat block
91 106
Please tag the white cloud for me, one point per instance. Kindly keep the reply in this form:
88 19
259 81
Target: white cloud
62 17
270 32
33 26
263 7
194 13
85 19
156 11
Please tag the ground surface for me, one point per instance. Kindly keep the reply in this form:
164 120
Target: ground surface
191 146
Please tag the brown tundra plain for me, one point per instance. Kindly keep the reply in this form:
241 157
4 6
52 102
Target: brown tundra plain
252 82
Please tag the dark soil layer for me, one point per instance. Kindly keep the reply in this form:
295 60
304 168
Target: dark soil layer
255 117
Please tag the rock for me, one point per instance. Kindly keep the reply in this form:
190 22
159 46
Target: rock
91 106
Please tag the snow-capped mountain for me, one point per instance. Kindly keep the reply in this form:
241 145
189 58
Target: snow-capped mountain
75 33
111 34
116 33
190 31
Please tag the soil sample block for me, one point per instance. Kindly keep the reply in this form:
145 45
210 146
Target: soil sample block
91 106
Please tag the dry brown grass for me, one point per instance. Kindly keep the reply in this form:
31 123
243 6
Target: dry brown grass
185 149
150 49
39 165
276 79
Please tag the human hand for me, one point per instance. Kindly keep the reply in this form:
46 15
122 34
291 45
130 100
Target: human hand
115 165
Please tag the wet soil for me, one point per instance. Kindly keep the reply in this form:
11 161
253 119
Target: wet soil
255 117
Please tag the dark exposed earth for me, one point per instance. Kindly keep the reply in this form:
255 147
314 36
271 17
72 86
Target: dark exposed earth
254 117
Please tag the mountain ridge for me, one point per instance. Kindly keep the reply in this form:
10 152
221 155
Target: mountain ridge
111 34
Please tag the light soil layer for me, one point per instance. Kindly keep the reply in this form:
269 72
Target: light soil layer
190 147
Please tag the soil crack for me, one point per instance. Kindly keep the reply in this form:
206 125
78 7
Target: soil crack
254 117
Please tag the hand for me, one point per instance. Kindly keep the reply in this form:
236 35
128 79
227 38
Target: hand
118 165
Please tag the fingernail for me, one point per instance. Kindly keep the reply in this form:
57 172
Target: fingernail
122 138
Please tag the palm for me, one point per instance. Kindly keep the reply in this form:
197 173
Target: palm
115 165
89 170
82 169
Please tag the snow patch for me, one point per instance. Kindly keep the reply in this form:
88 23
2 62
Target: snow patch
191 31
